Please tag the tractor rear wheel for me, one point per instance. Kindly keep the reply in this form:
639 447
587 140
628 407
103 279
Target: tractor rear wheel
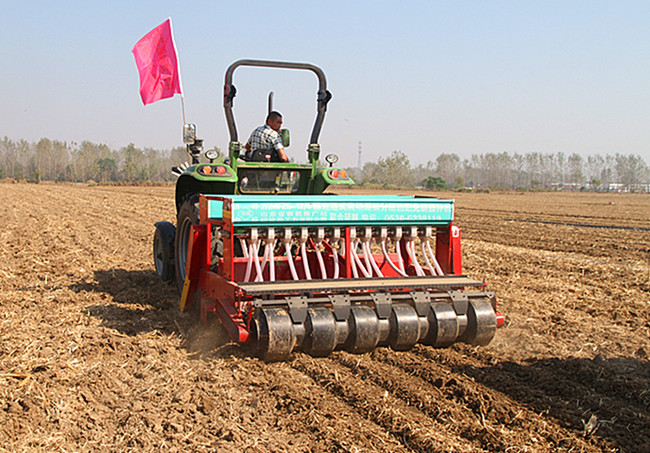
163 251
188 215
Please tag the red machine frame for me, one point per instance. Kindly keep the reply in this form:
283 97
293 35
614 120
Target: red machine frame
221 292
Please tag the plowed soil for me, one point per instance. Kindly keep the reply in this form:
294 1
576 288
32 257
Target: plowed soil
94 354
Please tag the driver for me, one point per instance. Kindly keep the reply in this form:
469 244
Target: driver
265 143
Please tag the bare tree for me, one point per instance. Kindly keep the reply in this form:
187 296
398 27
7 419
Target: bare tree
394 171
448 167
595 165
576 166
55 160
630 169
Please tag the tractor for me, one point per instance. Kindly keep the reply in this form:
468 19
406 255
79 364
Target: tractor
287 265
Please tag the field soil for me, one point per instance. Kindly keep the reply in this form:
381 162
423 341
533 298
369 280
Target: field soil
95 355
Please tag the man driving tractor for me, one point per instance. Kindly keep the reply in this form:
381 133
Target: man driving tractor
265 142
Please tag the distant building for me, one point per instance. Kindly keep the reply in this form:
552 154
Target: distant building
567 187
627 188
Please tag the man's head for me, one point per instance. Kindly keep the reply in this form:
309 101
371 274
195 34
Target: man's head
274 120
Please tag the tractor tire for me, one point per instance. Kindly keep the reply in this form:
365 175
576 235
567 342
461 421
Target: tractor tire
188 215
163 251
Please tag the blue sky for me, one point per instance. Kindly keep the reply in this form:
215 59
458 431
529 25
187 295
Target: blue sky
422 77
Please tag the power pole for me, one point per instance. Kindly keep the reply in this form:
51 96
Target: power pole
359 161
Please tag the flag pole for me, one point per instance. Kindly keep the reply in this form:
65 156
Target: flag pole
183 107
178 64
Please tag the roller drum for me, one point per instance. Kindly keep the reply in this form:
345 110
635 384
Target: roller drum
275 335
404 327
320 329
481 323
364 329
443 325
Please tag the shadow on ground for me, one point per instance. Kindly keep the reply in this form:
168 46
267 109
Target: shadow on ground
136 302
607 398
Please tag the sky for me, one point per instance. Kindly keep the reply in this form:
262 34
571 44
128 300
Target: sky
420 77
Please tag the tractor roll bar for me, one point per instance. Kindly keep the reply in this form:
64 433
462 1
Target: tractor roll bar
229 92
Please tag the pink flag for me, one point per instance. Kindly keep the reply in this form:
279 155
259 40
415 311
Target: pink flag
155 57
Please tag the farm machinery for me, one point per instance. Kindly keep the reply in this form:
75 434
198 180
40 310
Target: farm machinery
286 266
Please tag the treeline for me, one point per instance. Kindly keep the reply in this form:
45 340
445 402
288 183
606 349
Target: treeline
52 160
509 171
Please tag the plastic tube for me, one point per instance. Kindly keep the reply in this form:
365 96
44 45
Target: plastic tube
249 264
269 251
264 258
426 256
365 261
400 260
390 262
321 263
353 265
244 248
258 268
372 260
355 258
433 258
292 266
336 263
305 264
335 239
366 257
414 258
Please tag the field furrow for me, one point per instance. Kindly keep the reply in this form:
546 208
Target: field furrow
417 431
95 355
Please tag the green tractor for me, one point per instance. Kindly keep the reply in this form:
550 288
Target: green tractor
233 175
